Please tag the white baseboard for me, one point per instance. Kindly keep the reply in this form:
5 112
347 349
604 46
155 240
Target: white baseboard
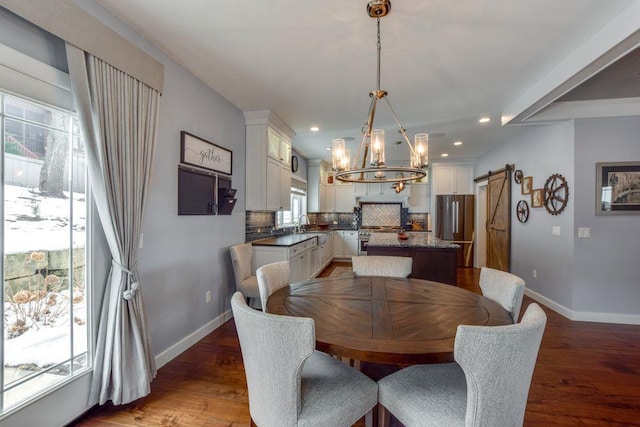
182 345
584 316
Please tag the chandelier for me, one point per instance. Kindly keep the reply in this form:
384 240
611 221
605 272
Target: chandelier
372 144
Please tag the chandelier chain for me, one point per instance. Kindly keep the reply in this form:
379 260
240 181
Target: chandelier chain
379 53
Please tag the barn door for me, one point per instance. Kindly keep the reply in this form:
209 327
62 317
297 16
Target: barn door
499 220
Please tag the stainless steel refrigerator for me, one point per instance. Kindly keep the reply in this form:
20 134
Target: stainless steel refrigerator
455 223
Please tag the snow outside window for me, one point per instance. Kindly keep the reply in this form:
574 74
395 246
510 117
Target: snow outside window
44 229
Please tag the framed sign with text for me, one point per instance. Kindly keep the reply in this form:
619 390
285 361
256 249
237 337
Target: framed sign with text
204 154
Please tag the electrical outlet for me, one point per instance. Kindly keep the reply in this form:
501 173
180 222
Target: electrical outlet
534 273
207 297
555 230
584 232
141 242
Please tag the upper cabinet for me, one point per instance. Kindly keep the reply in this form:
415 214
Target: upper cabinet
278 147
419 197
268 162
453 179
316 186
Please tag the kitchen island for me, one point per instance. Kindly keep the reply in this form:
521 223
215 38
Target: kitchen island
433 258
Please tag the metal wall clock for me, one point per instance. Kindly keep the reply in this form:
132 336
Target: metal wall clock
556 194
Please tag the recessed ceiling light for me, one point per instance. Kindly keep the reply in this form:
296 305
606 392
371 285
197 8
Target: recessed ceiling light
444 155
485 120
314 129
457 143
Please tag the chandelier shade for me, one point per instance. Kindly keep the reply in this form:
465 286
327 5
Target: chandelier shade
373 140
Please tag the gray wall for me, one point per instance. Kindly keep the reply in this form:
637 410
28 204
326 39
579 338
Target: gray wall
587 278
540 151
605 265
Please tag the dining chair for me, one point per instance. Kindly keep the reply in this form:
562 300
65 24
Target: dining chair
504 288
291 384
245 282
271 278
382 265
487 385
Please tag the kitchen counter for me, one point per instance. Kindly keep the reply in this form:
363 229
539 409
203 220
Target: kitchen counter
284 241
288 240
415 240
433 259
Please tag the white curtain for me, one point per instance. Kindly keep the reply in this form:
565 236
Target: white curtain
118 115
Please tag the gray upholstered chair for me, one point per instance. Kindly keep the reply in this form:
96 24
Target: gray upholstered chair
382 265
488 384
245 282
272 277
504 288
291 384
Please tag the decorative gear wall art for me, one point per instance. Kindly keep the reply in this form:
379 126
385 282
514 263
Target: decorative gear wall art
517 176
556 194
522 211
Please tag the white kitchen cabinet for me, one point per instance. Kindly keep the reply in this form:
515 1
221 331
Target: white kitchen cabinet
303 263
351 244
339 198
453 179
419 197
330 198
298 255
316 186
268 162
316 260
278 147
279 190
328 249
345 243
373 189
345 200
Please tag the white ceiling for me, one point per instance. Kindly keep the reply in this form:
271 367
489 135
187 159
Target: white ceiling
445 63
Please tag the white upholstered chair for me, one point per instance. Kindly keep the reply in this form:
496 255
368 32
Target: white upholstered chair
382 265
291 384
504 288
245 282
487 385
271 278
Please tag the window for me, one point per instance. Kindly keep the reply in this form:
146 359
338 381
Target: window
298 207
44 228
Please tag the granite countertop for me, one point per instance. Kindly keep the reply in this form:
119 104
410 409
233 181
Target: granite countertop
287 239
416 239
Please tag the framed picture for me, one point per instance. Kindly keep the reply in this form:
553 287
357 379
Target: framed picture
204 154
618 188
537 198
527 183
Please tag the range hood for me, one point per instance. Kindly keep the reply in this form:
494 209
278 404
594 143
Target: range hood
404 200
379 193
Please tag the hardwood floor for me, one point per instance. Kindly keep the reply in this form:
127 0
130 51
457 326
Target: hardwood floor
586 374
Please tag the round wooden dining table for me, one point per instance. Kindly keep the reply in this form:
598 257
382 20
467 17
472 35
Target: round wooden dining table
386 320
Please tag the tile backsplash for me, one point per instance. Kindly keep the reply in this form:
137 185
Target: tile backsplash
381 214
262 224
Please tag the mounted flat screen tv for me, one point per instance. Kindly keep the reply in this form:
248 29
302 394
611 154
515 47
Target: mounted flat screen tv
196 192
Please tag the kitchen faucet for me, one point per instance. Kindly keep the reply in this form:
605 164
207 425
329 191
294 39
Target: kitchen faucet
300 222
